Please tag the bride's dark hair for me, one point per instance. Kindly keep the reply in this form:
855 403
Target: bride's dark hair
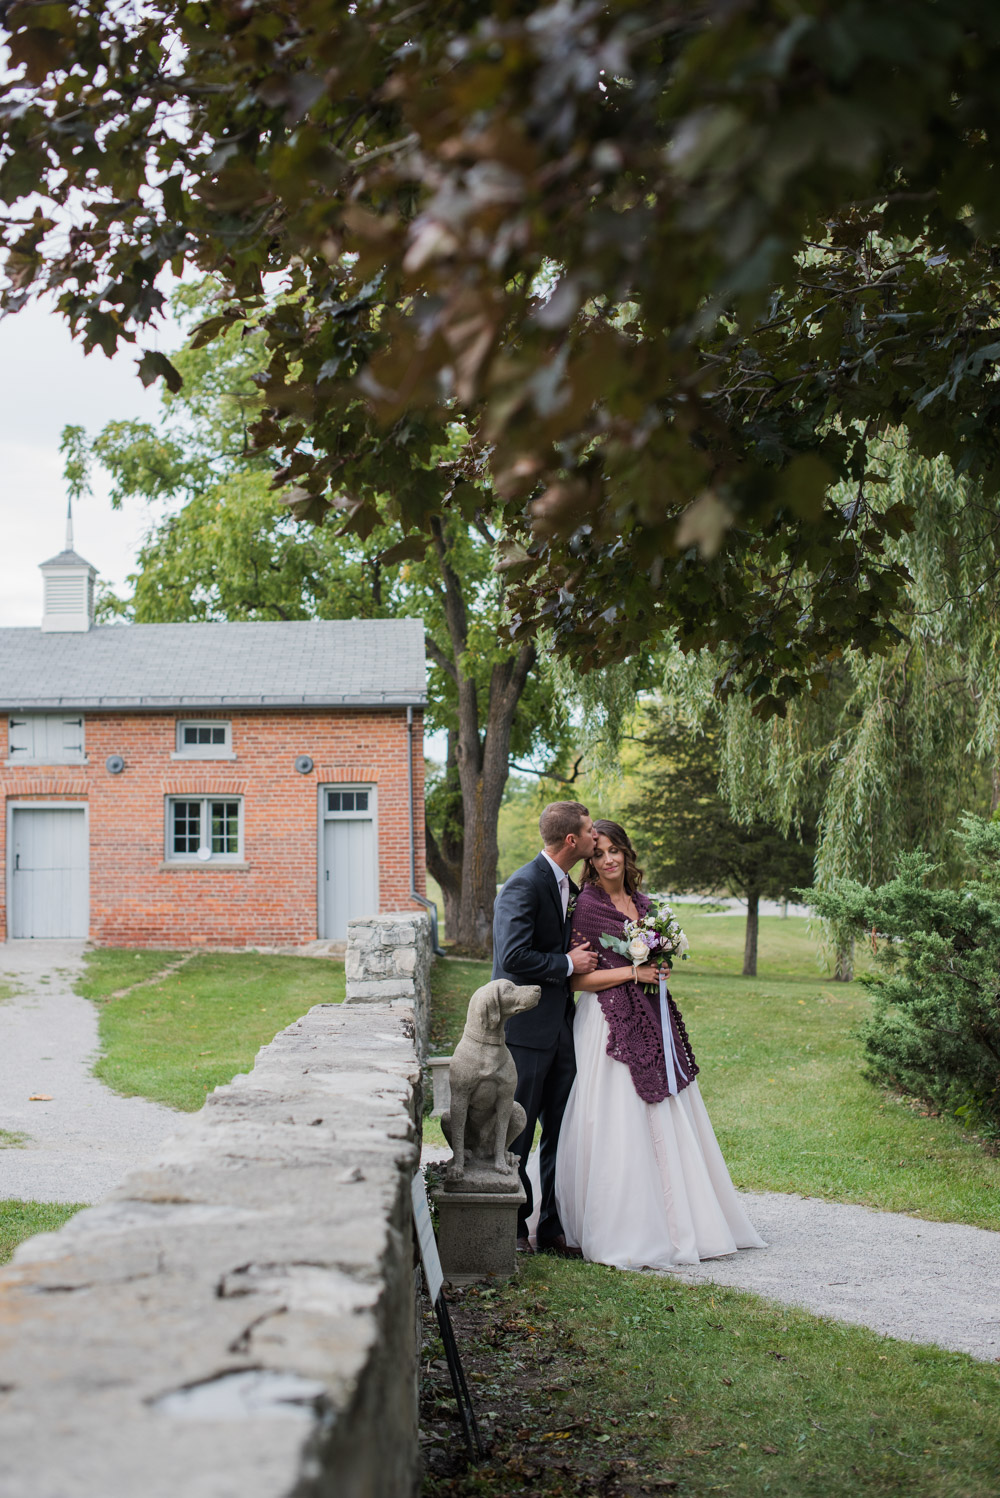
618 838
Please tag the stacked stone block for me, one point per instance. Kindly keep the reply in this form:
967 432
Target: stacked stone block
389 958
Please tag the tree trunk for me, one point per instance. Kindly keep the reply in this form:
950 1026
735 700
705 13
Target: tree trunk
843 967
444 849
750 944
483 769
482 760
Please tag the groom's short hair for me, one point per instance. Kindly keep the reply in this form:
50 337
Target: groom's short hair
559 820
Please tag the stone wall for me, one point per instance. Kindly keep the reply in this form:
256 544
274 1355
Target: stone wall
238 1319
389 957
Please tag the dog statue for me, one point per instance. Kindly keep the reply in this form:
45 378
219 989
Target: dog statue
484 1120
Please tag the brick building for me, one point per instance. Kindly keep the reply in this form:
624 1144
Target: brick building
225 784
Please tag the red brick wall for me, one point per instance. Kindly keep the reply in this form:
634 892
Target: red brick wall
136 900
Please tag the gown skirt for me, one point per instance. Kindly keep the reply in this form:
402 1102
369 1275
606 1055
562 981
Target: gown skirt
639 1184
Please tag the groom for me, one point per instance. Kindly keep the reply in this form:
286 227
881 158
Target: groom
531 930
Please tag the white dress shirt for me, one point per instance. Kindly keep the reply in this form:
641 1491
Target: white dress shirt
562 880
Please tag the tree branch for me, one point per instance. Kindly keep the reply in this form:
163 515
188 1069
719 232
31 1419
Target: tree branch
551 774
483 528
447 874
439 658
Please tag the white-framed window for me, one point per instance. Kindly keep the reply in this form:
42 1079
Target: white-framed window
200 738
205 829
45 739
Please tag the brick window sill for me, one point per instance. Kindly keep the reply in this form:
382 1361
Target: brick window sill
199 866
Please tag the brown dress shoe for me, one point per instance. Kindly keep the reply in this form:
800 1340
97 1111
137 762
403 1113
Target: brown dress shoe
560 1248
523 1246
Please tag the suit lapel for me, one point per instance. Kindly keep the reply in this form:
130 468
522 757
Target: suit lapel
574 891
549 881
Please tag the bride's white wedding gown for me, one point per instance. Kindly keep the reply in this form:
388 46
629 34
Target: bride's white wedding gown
639 1184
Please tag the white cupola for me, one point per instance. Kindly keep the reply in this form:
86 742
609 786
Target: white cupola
69 588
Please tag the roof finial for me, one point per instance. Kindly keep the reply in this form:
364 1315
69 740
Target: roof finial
69 523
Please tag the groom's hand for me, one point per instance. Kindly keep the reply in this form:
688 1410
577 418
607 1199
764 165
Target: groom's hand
583 958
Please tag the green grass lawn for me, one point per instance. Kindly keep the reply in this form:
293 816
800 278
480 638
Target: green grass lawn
20 1220
176 1040
629 1383
109 969
781 1076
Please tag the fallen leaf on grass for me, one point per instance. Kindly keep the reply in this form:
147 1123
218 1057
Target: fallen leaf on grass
728 1383
771 1450
40 1097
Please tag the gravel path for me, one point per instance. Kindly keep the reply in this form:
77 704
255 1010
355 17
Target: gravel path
934 1282
83 1141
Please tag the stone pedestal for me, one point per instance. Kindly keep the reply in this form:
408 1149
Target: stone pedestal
477 1233
440 1069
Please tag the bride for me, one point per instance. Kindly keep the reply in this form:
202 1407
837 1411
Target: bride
640 1178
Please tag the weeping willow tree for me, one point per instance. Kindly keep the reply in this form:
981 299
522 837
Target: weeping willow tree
902 741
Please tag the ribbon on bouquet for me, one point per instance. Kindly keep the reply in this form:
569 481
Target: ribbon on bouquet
671 1055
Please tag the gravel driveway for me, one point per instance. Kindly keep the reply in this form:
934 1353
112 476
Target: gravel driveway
82 1142
936 1282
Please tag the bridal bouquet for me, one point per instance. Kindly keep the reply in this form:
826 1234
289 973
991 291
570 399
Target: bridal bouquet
656 935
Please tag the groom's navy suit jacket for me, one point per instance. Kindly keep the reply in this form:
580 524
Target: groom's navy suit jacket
530 941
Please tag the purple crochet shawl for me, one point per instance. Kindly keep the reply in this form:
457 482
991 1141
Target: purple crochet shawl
635 1036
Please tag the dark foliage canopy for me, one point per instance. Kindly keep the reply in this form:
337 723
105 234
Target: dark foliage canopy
672 266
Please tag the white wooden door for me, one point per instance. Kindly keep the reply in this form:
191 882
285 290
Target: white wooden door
49 882
350 878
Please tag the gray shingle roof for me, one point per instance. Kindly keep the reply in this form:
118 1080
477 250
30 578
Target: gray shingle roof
308 663
68 558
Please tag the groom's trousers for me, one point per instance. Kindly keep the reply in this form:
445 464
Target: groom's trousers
544 1080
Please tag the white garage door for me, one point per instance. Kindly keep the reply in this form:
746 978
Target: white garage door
350 884
49 884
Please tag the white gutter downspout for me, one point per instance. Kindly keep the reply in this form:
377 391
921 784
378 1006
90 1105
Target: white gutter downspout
428 905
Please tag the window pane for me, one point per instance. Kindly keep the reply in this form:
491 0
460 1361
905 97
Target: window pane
225 817
186 826
347 801
190 734
361 800
333 801
218 735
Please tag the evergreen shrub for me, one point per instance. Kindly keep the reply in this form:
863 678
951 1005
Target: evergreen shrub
934 1030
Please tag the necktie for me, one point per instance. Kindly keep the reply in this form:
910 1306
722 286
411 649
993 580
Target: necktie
564 893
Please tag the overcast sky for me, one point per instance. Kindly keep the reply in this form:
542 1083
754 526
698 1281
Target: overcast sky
47 383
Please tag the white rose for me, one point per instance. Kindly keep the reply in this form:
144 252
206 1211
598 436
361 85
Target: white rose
637 949
682 944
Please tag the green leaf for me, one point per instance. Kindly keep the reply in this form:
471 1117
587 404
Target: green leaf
410 549
156 366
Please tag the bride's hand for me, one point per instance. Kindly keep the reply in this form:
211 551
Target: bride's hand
650 973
